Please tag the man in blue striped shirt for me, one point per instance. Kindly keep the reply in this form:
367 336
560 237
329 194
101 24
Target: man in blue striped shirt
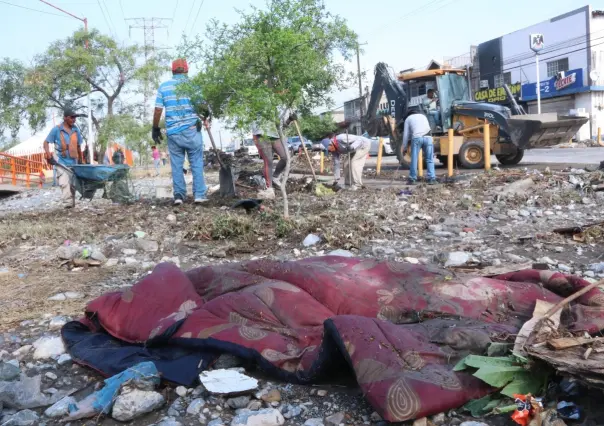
184 134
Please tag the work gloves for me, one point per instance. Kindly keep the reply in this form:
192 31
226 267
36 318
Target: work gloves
156 135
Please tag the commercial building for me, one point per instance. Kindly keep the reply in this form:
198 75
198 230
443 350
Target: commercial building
570 68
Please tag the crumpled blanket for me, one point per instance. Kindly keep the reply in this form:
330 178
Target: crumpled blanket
399 327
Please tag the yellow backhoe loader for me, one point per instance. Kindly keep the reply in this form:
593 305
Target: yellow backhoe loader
510 134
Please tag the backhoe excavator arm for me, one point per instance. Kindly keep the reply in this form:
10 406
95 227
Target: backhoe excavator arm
390 124
397 103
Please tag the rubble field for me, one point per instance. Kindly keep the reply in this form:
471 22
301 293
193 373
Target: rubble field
53 262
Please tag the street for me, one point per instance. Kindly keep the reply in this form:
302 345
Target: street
533 157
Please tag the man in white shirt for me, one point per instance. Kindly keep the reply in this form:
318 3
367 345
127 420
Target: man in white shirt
358 148
417 130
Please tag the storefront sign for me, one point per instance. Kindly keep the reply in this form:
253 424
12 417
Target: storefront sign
497 95
566 81
555 86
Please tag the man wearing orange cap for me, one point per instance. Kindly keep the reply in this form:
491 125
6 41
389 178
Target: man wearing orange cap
184 134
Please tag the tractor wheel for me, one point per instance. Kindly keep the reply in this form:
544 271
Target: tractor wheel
511 159
471 155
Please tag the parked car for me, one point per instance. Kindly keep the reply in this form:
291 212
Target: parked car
295 144
386 148
249 147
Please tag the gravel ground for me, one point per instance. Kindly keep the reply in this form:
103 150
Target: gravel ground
500 221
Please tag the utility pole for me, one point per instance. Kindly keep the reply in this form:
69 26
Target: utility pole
360 85
220 137
90 136
148 25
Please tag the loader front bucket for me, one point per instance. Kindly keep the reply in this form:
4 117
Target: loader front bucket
542 130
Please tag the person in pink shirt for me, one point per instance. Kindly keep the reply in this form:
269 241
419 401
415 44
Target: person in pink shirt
156 159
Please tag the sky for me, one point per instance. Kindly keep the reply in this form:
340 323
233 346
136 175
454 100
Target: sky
402 33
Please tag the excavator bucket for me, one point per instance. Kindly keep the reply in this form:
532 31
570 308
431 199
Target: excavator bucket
542 130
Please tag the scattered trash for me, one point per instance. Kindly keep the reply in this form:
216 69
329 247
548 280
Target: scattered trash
311 240
584 233
527 407
541 308
568 410
48 347
569 387
226 382
140 234
249 204
60 408
457 258
143 376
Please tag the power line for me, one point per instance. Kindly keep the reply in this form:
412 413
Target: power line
35 10
189 16
174 13
104 17
197 16
110 19
551 57
553 48
123 14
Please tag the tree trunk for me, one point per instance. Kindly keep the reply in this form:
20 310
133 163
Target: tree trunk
285 172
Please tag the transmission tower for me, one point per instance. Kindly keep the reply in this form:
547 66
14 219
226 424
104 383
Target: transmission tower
148 25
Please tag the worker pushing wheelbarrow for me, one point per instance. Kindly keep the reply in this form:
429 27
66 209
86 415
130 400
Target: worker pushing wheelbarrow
72 175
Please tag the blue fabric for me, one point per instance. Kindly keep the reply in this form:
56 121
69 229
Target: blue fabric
189 142
54 137
111 356
426 144
179 111
102 400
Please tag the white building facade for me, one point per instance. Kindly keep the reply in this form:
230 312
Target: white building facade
570 67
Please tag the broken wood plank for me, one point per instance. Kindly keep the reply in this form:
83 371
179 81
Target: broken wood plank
569 342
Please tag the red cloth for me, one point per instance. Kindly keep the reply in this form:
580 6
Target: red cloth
401 327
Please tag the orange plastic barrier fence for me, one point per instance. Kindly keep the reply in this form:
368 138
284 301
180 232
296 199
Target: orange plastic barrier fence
22 170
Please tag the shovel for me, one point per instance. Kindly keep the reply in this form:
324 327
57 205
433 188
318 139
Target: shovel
226 177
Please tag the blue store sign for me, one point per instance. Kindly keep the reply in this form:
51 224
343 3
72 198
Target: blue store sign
572 81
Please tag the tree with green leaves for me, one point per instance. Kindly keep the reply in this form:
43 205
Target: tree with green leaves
68 70
315 127
16 98
285 56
